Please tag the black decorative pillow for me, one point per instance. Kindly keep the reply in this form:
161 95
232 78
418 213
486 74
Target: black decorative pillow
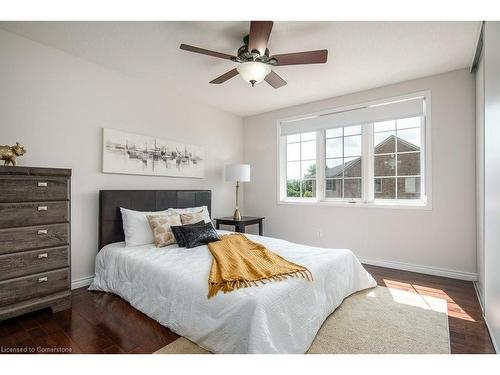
199 235
176 230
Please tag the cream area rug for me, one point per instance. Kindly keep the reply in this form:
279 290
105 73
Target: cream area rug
373 321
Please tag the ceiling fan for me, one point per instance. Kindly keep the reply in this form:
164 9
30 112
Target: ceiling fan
255 64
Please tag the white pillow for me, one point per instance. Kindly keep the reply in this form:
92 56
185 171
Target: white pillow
190 210
136 226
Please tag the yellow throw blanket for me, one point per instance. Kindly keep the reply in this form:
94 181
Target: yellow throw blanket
240 263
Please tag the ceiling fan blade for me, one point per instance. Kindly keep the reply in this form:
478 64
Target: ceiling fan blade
225 77
275 80
308 57
259 35
203 51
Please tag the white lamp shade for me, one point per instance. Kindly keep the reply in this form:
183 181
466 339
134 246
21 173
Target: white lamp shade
253 71
238 172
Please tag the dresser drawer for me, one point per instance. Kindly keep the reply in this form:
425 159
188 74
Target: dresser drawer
28 287
32 189
13 240
36 261
24 214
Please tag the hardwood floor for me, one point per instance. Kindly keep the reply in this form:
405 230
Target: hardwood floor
104 323
96 323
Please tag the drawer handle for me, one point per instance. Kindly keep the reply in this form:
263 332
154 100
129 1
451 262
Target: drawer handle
43 279
42 184
42 208
43 255
42 231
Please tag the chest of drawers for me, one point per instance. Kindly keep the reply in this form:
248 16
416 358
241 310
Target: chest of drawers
35 251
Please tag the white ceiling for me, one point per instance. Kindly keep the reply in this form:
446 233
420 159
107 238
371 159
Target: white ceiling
362 55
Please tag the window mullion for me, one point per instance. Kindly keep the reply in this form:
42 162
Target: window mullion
283 167
367 172
423 153
343 164
320 165
301 176
396 162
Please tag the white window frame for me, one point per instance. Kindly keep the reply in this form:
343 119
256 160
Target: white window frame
368 184
321 165
301 180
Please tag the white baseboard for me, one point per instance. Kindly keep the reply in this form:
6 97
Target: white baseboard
80 283
478 294
485 319
436 271
491 335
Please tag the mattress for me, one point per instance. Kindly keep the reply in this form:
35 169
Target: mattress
170 285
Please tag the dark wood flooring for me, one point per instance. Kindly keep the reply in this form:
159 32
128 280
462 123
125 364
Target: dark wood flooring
104 323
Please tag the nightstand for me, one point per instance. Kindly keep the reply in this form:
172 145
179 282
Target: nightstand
239 225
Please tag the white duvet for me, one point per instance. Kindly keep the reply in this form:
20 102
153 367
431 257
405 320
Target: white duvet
170 285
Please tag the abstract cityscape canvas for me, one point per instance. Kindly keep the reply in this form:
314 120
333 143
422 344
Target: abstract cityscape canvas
139 154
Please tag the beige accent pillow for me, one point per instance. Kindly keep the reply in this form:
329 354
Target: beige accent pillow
160 225
194 217
191 210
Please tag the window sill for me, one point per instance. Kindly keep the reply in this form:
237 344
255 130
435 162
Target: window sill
420 205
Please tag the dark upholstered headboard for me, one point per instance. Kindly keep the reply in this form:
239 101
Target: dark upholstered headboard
110 201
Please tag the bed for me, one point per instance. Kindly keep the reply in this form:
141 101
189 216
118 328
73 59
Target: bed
170 284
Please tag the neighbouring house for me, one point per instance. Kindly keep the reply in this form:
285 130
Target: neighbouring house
397 174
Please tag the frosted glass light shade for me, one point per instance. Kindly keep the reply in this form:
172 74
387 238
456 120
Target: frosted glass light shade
238 172
253 72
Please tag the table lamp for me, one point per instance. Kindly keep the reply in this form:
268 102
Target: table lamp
237 173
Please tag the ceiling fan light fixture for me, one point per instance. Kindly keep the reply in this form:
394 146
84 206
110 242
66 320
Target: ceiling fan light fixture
253 71
254 60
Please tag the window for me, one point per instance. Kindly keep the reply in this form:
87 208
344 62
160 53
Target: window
343 162
368 154
301 165
397 145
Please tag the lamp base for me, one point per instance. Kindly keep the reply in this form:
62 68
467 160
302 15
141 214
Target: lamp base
237 215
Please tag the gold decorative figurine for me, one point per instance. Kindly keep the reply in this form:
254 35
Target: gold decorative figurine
10 153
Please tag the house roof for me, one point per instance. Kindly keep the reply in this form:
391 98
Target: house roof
337 171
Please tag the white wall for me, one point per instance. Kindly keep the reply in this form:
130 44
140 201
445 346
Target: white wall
442 240
492 179
56 104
